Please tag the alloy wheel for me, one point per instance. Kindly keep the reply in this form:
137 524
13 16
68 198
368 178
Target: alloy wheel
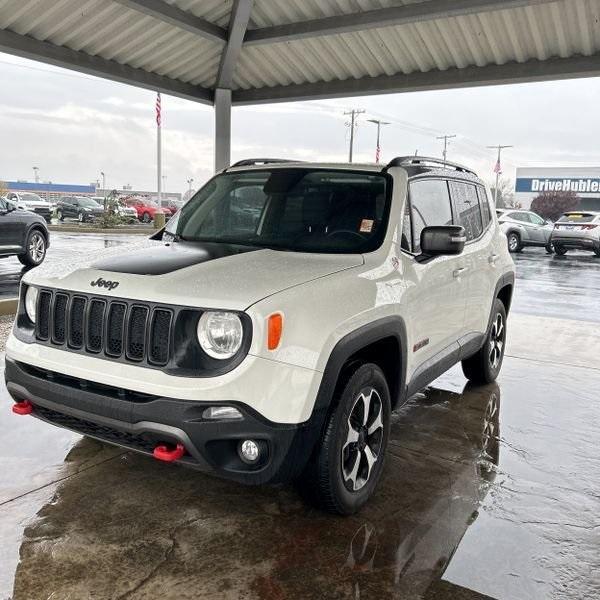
496 343
513 242
362 447
37 247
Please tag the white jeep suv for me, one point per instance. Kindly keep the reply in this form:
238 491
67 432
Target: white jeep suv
269 331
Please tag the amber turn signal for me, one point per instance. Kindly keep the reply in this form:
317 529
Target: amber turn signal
275 329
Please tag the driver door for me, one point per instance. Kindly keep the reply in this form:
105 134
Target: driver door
10 229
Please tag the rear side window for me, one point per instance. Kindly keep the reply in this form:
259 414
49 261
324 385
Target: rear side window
485 205
467 208
430 206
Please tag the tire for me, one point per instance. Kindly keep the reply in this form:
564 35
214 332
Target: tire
59 215
484 366
549 249
514 242
146 218
597 251
81 217
340 477
560 250
35 249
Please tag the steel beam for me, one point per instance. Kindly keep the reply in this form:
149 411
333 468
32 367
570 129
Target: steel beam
168 13
238 22
222 129
384 17
59 56
508 73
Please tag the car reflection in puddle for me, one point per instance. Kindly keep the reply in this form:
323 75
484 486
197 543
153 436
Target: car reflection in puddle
133 527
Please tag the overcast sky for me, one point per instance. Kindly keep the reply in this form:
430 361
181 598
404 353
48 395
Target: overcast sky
73 126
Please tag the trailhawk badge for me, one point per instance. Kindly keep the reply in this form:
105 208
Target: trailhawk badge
109 285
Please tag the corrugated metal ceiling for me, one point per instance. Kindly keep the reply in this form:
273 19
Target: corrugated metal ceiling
114 31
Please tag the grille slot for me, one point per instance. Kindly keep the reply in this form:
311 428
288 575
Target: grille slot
114 329
76 321
59 318
136 332
160 336
95 325
43 316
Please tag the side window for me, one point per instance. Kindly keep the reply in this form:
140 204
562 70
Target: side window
430 205
485 205
519 217
536 219
406 240
467 208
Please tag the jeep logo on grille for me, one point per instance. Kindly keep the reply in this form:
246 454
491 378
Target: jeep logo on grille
109 285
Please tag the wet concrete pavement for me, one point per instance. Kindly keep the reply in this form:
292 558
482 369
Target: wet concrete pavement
487 492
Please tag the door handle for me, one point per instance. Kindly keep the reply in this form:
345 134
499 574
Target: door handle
458 272
492 259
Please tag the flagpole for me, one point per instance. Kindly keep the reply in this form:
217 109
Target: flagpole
498 169
158 149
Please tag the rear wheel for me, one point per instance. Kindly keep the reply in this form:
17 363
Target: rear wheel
514 242
484 366
597 251
81 217
549 249
347 463
560 250
35 250
59 215
146 217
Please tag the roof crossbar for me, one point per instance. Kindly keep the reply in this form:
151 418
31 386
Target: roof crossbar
249 162
424 161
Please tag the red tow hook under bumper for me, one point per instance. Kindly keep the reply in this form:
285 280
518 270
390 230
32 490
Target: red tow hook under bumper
22 408
168 454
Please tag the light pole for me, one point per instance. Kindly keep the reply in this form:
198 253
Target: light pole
36 174
189 182
498 169
378 148
352 124
445 152
103 182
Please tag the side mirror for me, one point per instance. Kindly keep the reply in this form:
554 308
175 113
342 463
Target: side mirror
443 240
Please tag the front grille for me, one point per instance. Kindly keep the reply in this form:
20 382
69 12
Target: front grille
115 329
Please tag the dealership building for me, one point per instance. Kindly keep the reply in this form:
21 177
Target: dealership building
584 181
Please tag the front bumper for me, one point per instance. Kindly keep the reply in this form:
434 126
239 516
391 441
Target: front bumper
141 422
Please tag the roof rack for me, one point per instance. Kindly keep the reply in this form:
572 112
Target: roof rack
424 161
249 162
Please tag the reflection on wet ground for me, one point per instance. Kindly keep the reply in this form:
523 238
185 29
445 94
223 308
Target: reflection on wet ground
489 491
64 248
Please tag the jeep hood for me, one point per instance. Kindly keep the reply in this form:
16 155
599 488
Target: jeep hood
209 275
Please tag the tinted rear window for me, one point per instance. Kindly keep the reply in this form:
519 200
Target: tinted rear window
577 218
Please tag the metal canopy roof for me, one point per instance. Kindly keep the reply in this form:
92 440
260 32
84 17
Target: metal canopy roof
277 50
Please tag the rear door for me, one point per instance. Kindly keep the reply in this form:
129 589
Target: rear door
11 229
438 298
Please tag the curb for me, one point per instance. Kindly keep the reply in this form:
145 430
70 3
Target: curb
128 231
8 307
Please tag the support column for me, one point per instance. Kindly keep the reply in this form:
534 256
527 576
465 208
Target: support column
222 128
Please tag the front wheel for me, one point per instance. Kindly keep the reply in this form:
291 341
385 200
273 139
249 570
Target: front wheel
59 215
146 218
484 366
549 249
35 250
597 251
347 464
81 217
560 250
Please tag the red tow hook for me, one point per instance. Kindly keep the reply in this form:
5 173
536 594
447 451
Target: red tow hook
168 454
22 408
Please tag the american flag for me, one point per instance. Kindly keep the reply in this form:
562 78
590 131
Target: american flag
377 154
158 109
498 168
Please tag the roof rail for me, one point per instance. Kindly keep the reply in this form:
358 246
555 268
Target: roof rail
249 162
421 161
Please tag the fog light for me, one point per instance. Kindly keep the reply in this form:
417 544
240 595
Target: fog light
222 413
249 451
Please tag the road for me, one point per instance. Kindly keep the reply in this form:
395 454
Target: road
488 492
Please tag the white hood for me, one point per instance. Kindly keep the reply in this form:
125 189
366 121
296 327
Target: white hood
200 275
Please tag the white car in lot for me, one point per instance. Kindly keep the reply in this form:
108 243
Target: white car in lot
267 333
577 230
525 228
31 202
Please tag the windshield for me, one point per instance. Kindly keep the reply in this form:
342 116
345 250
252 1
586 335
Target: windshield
31 198
294 209
87 202
577 218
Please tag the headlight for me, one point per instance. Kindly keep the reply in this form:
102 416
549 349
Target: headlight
220 334
31 296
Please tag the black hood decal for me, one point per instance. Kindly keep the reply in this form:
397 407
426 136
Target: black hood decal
169 257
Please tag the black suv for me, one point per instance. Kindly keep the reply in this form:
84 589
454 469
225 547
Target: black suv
81 208
22 233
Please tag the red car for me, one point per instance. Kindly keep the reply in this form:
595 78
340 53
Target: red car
145 208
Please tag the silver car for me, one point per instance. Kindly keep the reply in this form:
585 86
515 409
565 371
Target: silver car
577 230
525 228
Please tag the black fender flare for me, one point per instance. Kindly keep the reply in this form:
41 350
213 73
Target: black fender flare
508 279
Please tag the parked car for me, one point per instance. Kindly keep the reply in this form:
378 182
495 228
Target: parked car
31 202
82 208
275 352
577 230
145 209
22 234
525 228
